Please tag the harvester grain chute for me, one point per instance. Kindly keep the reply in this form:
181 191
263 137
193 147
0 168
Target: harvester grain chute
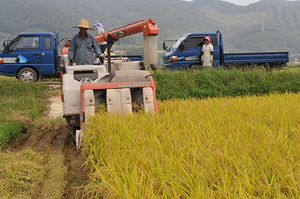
121 85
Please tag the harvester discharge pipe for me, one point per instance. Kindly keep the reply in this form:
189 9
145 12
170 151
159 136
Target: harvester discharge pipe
110 43
150 31
147 26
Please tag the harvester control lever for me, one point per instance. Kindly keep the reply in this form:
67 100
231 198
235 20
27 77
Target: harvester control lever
70 62
153 67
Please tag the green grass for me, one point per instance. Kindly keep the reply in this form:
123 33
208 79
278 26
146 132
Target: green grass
51 79
19 103
9 130
23 99
220 83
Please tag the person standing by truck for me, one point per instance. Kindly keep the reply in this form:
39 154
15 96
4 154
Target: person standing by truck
207 53
82 45
99 30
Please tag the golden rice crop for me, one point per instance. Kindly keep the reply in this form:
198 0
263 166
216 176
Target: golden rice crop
244 147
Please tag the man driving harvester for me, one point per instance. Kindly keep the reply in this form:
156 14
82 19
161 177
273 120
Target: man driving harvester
82 45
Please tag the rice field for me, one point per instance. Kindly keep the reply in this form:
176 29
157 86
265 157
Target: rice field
242 147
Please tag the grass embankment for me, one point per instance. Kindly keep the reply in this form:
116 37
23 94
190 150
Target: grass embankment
243 147
29 171
18 103
219 83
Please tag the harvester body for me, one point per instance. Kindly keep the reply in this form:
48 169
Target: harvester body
120 85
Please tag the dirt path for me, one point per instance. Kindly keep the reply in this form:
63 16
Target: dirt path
64 173
55 108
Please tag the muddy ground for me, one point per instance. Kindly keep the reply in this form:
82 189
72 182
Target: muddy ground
64 171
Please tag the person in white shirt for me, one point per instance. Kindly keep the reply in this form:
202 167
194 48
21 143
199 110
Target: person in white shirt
207 53
100 30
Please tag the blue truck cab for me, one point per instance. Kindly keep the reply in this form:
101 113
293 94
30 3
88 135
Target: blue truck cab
30 55
186 53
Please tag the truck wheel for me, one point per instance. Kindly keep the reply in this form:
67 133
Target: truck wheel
227 66
260 67
195 67
27 75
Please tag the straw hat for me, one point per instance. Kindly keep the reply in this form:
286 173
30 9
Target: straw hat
83 24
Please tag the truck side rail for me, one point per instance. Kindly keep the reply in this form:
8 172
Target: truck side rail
263 57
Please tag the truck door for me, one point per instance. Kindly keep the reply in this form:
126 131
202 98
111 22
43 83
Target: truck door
190 51
48 56
214 41
23 51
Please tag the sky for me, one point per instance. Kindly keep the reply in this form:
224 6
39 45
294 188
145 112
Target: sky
242 2
246 2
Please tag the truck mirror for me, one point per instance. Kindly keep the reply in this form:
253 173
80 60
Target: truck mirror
5 43
181 46
164 46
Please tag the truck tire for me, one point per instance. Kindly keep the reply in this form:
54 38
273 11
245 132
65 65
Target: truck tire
227 66
260 67
27 75
195 67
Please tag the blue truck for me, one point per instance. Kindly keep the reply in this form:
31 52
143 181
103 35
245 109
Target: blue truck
30 55
185 53
34 55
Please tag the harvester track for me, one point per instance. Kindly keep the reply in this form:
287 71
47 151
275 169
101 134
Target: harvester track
56 145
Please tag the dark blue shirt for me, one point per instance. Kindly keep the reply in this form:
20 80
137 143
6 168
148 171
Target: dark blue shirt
81 50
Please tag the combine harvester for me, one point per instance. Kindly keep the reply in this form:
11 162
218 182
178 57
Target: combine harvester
119 84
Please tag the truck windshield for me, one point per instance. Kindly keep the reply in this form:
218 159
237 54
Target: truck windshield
178 42
25 42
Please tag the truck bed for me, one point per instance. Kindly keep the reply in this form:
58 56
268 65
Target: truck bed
256 58
130 57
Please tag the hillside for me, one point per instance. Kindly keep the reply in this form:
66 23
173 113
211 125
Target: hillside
268 25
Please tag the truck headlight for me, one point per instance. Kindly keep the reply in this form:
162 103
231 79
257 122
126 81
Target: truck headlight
174 58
